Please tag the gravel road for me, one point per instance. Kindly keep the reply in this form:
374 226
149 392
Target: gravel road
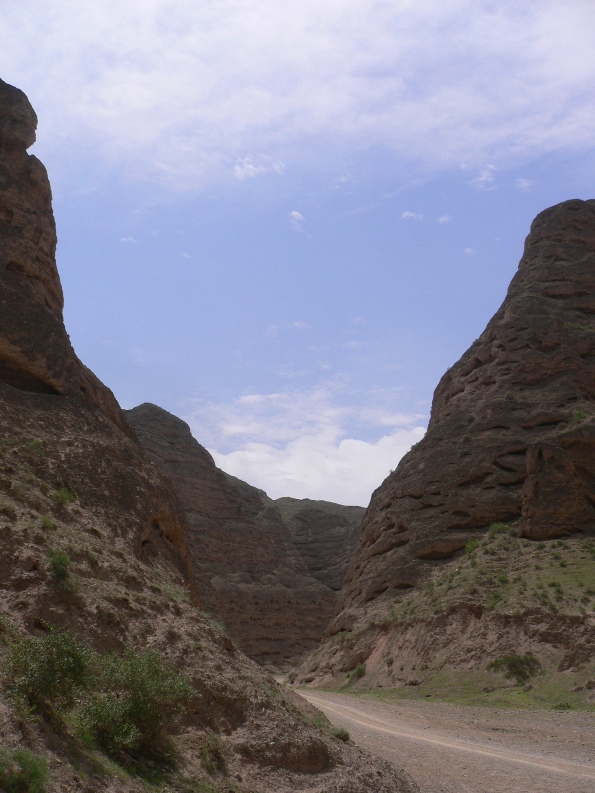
454 749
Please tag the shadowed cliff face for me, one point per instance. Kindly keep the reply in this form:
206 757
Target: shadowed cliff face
511 434
248 572
324 534
35 352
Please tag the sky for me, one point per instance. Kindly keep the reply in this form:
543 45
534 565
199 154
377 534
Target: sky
283 222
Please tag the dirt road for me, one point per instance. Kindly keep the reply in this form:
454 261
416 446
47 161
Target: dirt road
453 749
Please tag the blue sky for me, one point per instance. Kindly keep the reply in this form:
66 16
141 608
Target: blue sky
283 222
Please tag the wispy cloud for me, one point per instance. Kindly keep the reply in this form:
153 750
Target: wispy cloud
444 219
295 443
485 179
411 216
249 167
470 251
524 185
296 220
180 91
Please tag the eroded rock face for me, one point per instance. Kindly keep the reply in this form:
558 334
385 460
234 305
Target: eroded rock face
248 572
73 481
324 534
512 433
35 352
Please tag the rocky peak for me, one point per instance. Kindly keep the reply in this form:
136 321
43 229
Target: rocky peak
511 436
35 351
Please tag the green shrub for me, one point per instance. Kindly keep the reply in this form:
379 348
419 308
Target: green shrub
341 733
47 523
22 771
47 671
519 667
64 496
358 672
500 528
59 565
212 754
471 546
136 698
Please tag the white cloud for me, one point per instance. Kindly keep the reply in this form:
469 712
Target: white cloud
249 167
524 185
444 219
485 179
296 221
297 443
179 91
300 325
411 216
470 251
128 239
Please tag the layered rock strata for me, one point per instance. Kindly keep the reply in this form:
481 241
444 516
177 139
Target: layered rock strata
248 573
75 485
511 437
324 534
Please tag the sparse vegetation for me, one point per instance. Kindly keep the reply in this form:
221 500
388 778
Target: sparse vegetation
518 667
59 563
212 754
21 771
341 733
64 496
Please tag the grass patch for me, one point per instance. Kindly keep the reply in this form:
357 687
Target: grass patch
21 771
212 754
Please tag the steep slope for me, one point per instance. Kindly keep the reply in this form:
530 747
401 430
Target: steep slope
511 446
247 570
324 534
95 542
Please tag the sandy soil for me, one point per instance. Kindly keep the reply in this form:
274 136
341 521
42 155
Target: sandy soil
453 749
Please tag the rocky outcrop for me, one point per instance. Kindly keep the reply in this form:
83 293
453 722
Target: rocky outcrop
35 352
324 534
248 572
511 437
76 488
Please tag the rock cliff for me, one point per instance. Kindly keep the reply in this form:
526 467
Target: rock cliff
95 542
248 572
511 443
324 534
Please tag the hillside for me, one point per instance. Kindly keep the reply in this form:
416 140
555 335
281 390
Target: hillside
479 546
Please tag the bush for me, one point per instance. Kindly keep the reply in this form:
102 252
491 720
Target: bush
59 565
519 667
359 671
22 771
341 733
64 496
137 697
48 670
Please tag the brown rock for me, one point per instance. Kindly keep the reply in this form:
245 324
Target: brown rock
248 572
324 534
35 351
